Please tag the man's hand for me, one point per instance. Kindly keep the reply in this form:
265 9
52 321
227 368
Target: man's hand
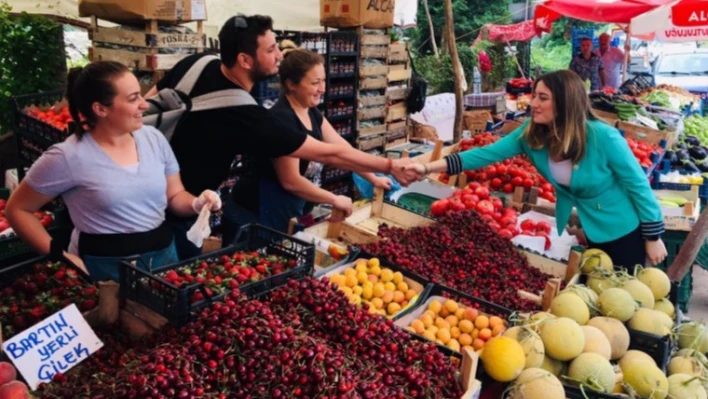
419 170
401 174
343 203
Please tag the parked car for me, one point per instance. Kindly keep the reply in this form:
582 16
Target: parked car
688 70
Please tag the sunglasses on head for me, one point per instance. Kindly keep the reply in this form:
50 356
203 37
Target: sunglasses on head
240 22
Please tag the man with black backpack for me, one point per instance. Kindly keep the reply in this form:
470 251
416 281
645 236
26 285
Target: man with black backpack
206 141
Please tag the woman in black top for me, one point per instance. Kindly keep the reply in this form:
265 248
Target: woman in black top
286 184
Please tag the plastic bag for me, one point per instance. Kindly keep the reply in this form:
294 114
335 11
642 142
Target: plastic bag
366 189
200 230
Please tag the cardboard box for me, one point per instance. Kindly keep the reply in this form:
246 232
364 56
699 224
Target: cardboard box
138 11
375 14
682 218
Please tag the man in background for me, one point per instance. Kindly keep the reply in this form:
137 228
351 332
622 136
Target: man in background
588 66
612 61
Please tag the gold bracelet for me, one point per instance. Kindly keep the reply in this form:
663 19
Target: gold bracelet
427 169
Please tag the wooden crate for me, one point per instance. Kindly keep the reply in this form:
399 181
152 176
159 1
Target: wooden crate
392 143
399 75
396 94
373 83
396 111
609 117
370 131
569 273
374 52
375 70
136 60
375 40
372 101
646 134
371 142
372 113
398 52
147 39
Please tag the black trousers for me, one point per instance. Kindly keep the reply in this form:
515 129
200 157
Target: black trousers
626 251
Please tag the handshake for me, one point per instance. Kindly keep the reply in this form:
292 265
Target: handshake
405 171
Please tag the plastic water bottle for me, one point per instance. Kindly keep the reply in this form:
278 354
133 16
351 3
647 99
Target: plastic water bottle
477 81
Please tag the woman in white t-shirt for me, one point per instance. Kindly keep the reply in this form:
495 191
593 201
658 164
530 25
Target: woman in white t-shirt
115 175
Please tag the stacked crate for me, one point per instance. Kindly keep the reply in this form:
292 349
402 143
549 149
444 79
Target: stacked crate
399 76
371 112
145 49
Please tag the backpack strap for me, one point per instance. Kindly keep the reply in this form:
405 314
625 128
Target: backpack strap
186 84
222 99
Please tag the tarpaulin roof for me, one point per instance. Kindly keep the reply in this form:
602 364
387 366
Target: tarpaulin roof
607 11
521 32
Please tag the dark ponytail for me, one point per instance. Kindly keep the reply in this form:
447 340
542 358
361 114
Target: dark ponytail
90 84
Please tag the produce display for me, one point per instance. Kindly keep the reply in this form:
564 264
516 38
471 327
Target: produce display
306 341
384 291
456 326
689 154
59 118
226 273
46 218
463 253
642 151
10 387
41 290
506 175
669 96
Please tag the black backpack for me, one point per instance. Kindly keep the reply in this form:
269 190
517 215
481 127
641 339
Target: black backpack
419 87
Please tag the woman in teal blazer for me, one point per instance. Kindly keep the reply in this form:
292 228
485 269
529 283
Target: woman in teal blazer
590 165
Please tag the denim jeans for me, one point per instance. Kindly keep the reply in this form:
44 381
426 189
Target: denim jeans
106 267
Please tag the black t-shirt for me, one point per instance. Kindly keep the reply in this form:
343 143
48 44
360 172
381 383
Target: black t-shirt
206 142
246 190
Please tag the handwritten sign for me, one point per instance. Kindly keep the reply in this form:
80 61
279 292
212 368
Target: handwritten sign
647 122
54 345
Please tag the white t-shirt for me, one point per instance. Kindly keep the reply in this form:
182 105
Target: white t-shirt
612 60
561 171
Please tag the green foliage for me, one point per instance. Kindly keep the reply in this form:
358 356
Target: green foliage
31 58
469 16
438 72
552 57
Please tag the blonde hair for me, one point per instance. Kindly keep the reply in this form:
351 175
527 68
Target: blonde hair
566 136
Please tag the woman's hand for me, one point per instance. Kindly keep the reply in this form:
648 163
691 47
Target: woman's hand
656 251
419 169
343 203
207 197
381 182
76 260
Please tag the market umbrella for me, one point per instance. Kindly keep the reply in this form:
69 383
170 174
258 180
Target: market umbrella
607 11
678 21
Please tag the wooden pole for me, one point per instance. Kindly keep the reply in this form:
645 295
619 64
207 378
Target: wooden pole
456 69
689 250
432 31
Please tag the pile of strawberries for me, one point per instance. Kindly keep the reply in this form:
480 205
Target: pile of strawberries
43 289
226 273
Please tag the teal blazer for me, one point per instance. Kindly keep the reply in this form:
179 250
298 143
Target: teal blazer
608 187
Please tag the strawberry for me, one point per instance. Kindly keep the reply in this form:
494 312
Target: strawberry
38 312
88 304
90 290
261 269
19 322
71 273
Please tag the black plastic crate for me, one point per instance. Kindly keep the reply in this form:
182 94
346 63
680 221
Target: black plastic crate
28 123
574 392
15 248
151 290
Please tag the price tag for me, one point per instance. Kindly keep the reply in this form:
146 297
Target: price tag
648 122
54 345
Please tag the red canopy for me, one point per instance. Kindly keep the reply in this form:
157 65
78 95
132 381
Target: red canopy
690 13
520 32
606 11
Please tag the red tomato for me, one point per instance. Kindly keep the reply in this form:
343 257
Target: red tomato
498 205
527 183
487 218
482 192
502 169
508 188
439 207
505 233
496 182
457 206
472 186
506 220
543 227
494 226
491 171
485 207
528 224
517 181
